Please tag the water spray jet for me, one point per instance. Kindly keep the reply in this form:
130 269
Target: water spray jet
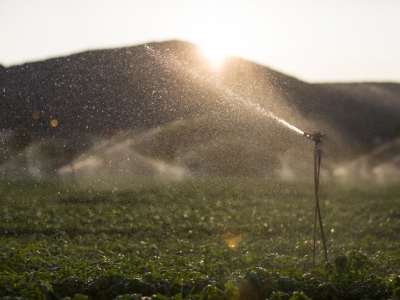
173 62
316 137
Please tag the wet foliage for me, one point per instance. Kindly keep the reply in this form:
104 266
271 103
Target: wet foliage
236 238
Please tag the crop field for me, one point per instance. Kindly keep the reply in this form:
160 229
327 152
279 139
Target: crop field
212 238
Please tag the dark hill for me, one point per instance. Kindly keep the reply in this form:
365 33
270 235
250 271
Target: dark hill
103 92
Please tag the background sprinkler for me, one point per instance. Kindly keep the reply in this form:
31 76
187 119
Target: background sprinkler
316 137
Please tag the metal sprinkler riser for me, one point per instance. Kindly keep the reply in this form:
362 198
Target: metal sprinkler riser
316 137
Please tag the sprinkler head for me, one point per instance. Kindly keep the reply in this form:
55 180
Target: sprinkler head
316 136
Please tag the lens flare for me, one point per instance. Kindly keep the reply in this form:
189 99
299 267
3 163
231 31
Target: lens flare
54 123
35 115
233 241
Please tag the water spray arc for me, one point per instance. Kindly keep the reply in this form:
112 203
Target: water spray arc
316 137
173 62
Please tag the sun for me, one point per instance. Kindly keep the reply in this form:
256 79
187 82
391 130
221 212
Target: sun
220 32
214 52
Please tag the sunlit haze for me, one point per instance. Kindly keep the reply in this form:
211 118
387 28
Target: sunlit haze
221 31
313 41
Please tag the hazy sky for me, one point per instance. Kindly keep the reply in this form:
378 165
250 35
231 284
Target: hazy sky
316 41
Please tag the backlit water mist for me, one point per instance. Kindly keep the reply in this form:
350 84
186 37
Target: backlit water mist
174 62
283 122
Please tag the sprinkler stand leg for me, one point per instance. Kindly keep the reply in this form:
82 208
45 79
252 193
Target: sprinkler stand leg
317 164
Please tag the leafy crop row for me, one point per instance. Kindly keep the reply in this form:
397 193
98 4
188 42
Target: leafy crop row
211 239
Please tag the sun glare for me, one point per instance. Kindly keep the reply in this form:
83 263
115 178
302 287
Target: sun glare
214 53
220 32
